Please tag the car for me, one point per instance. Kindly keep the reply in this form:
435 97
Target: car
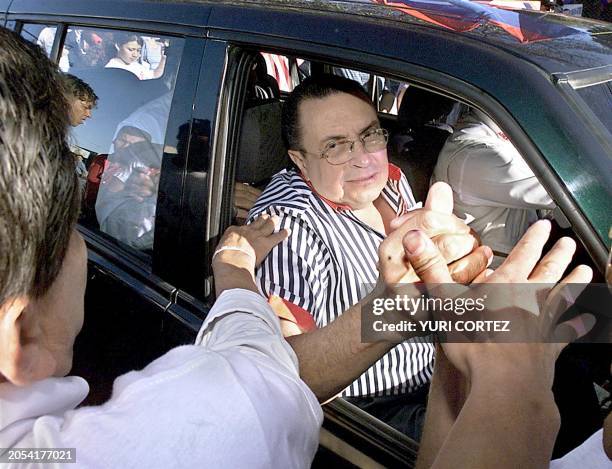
210 121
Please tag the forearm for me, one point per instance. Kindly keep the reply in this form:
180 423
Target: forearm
502 425
447 395
334 356
228 277
159 71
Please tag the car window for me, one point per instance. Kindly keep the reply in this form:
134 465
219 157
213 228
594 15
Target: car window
120 146
42 35
424 122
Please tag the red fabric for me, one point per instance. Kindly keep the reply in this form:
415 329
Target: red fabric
297 315
303 318
395 173
94 176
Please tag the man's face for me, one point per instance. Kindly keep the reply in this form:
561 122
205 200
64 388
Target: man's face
335 118
80 111
125 139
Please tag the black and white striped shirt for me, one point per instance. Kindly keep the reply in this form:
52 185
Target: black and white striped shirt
326 261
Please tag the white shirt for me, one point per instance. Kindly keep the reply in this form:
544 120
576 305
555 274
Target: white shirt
589 454
151 118
494 190
142 71
233 400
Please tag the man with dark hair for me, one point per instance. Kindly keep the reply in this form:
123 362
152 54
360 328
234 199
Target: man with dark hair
340 203
38 187
81 99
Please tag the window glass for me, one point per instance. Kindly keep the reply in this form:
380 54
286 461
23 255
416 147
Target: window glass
40 34
599 99
119 140
10 25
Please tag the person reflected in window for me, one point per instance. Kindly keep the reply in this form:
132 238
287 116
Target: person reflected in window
81 99
129 50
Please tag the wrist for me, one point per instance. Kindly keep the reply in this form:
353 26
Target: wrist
228 277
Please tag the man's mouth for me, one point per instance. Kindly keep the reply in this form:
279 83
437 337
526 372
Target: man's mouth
365 179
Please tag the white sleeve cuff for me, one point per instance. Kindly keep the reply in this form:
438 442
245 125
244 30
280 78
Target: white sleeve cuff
238 300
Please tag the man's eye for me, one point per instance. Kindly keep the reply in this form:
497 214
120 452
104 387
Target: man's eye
374 133
331 146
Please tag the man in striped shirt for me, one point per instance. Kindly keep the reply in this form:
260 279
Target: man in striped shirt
340 204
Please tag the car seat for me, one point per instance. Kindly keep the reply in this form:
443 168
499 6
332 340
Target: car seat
416 146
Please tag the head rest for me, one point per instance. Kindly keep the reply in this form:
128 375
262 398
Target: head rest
261 153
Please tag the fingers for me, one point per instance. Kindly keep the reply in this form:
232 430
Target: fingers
560 299
246 189
440 198
278 237
455 246
432 223
472 266
555 262
523 258
581 274
425 258
574 329
481 277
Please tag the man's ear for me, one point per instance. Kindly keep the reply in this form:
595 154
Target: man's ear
300 161
23 357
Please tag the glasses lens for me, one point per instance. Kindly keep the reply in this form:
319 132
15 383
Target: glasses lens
375 140
338 152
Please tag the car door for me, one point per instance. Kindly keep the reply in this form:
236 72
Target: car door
342 41
137 123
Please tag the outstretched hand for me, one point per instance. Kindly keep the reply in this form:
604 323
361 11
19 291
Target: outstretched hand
243 248
537 321
457 244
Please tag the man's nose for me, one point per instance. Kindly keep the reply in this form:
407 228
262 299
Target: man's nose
360 157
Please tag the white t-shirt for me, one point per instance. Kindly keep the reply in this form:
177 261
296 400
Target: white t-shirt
233 400
142 71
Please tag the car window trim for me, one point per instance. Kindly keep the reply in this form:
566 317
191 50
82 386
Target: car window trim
144 26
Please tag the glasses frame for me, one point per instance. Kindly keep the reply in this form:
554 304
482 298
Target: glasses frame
324 153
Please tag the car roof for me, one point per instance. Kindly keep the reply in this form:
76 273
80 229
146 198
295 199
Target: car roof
555 42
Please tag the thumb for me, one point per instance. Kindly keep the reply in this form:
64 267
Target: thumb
440 198
425 258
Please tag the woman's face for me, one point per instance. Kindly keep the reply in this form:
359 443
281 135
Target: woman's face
129 51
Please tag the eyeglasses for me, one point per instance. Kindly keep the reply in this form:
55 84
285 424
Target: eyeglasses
339 152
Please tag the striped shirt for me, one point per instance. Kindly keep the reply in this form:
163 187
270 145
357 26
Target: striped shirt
329 263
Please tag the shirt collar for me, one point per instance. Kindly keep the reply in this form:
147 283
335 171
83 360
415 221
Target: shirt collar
20 406
395 174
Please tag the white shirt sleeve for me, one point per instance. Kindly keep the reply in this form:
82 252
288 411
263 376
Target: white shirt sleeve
234 400
242 320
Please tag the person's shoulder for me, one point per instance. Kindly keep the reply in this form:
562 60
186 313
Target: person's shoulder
113 63
287 193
